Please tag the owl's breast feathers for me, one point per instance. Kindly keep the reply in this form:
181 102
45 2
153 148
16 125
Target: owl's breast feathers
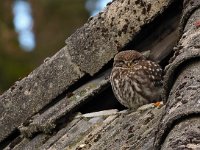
138 83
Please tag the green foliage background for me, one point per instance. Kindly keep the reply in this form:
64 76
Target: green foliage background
54 21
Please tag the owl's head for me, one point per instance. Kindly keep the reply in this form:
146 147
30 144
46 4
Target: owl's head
127 58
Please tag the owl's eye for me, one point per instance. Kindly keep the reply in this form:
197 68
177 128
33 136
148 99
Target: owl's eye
135 61
119 63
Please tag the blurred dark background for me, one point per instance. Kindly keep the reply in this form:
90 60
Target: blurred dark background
31 30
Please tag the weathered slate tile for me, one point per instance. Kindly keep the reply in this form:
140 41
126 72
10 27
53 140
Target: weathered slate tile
35 91
130 130
105 34
46 121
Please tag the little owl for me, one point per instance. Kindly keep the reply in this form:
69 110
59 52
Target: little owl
135 80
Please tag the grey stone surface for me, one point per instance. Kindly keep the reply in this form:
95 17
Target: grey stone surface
182 87
73 135
126 130
108 32
189 7
189 131
132 130
187 48
66 138
41 141
183 102
46 121
35 91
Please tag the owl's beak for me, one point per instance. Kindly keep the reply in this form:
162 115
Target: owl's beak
128 64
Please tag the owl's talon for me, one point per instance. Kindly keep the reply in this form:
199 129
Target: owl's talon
158 104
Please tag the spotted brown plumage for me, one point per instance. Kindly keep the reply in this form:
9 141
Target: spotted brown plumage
135 80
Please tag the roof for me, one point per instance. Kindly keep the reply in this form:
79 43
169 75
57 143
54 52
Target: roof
46 109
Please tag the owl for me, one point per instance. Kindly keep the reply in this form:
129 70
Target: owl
135 80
